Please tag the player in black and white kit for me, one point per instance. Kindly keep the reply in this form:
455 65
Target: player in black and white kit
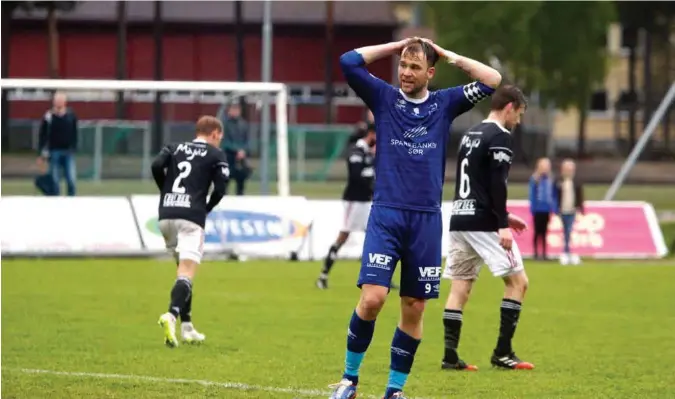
184 173
480 229
356 197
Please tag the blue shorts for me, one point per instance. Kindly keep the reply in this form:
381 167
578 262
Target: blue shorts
414 238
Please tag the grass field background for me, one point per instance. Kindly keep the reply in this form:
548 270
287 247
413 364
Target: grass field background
603 330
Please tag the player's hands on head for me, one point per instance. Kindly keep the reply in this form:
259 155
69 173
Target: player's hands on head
443 53
406 42
516 223
505 238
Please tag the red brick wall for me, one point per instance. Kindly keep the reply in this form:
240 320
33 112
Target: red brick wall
188 56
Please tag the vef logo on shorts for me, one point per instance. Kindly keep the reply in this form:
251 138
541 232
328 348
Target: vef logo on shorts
430 273
379 261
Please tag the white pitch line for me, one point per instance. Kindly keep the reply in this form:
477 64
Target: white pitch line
226 385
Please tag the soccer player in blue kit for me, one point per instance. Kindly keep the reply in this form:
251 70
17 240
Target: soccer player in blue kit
405 223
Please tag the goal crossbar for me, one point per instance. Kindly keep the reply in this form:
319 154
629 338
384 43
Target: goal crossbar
277 89
145 85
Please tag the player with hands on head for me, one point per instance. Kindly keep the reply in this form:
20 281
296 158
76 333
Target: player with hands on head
184 173
405 222
480 229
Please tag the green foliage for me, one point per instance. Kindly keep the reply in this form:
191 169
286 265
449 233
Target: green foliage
552 47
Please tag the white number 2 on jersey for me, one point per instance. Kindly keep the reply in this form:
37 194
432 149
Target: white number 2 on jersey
185 168
464 184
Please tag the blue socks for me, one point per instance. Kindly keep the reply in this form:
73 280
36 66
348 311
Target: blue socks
359 335
403 348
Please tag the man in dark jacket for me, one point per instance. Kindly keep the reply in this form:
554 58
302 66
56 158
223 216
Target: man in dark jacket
570 200
58 142
235 144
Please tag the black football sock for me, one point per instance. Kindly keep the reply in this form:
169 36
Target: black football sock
330 259
452 323
510 312
186 312
180 293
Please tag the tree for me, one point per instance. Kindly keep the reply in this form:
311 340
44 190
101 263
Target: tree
488 31
556 49
574 57
656 20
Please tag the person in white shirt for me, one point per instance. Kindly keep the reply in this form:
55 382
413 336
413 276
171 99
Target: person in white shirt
570 201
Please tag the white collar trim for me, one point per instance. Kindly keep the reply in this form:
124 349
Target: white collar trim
414 100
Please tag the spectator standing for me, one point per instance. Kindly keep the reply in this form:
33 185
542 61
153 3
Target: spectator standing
570 200
542 204
58 142
236 145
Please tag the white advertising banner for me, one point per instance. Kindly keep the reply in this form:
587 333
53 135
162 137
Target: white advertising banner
68 225
259 227
328 221
276 227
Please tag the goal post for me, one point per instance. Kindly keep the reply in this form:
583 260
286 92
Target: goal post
191 88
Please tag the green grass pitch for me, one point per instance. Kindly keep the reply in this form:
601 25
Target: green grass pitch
602 330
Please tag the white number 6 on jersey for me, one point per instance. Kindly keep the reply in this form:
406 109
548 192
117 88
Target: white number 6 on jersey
185 168
464 184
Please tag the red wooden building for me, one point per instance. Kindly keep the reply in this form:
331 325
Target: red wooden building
198 44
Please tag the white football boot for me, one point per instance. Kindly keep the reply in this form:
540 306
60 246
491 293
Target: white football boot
168 323
190 335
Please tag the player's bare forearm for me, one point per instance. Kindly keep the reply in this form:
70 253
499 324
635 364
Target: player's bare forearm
475 69
373 53
478 71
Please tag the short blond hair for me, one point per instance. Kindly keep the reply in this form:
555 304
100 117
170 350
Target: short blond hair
207 124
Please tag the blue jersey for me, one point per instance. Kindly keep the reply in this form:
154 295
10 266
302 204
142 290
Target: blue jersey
412 135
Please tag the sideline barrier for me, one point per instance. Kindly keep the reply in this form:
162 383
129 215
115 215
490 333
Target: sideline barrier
607 230
259 227
277 227
68 226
